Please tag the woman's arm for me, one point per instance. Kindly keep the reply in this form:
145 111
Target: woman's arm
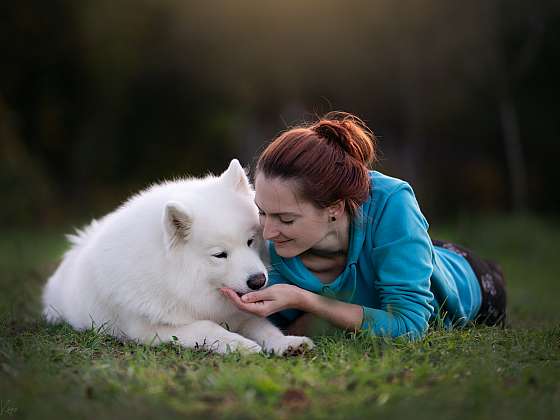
284 296
341 314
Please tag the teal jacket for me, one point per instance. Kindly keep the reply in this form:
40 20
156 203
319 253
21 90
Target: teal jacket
392 270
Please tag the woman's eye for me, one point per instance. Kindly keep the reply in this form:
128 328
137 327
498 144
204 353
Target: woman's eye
220 255
250 242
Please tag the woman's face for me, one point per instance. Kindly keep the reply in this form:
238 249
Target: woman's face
293 224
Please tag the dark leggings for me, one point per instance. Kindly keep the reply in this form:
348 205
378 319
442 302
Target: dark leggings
492 284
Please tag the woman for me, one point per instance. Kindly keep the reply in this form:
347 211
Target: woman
350 245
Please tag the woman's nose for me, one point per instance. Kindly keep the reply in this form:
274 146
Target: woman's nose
269 229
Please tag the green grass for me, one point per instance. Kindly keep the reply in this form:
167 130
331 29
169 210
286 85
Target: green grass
55 372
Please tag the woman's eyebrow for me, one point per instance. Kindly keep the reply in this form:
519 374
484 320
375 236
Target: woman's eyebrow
287 213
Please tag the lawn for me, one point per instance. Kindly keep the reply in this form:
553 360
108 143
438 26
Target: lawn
514 373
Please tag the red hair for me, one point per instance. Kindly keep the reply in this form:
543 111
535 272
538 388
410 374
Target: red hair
328 159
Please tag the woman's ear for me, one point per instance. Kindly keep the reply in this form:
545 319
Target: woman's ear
336 210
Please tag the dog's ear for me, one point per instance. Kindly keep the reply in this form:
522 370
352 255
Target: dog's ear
177 224
236 177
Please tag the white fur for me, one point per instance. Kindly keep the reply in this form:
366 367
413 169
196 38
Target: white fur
148 270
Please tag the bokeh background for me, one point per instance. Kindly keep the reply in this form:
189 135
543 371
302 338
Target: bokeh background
99 99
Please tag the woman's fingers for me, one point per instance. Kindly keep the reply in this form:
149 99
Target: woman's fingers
276 292
256 307
251 297
265 294
234 297
231 295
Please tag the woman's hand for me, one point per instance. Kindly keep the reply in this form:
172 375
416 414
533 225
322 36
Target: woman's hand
268 301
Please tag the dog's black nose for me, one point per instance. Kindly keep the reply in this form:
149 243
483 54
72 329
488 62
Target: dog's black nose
256 281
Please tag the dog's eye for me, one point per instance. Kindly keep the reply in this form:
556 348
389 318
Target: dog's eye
220 255
250 242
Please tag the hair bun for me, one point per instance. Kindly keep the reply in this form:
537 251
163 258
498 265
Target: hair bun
331 131
349 133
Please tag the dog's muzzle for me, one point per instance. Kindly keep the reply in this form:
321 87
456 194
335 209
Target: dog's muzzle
256 281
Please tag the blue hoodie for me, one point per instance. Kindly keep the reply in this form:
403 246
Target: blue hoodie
392 270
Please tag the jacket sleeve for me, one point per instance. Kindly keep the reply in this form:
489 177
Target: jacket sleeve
402 264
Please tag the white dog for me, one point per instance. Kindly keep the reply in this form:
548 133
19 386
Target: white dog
151 270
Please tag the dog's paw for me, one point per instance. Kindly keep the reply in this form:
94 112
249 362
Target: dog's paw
239 344
290 345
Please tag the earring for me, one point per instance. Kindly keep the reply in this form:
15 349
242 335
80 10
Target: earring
333 218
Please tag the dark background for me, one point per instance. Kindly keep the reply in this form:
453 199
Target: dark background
99 99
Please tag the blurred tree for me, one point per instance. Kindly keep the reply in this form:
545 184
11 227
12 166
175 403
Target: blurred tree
104 97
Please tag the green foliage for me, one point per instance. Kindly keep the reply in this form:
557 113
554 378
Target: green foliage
54 371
